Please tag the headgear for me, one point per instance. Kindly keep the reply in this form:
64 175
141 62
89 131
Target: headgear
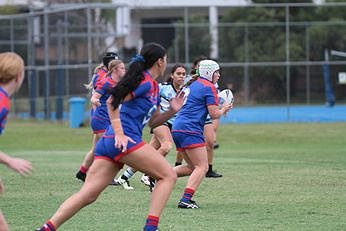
207 68
109 56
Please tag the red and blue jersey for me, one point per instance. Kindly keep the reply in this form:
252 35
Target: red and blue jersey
99 76
192 116
4 108
102 87
136 113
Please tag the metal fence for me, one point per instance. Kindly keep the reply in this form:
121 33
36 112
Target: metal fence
61 46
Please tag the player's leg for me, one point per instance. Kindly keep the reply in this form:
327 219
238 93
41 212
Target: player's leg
3 224
209 134
88 158
179 158
163 135
199 161
100 174
146 159
184 169
162 141
216 125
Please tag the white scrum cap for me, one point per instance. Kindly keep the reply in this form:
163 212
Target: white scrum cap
207 68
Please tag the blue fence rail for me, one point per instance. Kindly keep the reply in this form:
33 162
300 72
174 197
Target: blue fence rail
284 114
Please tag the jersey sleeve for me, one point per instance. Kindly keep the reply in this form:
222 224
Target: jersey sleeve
211 95
141 90
102 86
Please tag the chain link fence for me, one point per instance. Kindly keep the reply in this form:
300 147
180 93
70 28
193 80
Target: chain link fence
270 54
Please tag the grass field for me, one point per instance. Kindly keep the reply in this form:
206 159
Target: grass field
276 177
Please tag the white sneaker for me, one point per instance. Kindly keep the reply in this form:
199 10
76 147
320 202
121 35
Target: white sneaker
125 183
145 180
114 182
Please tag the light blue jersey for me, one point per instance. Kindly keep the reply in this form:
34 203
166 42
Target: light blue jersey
167 92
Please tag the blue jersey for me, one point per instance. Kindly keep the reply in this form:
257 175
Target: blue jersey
167 92
4 108
102 87
136 113
209 120
98 76
192 115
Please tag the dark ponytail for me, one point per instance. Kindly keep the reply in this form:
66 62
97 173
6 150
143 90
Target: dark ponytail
149 54
194 72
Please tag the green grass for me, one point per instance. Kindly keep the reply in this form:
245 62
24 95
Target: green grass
276 177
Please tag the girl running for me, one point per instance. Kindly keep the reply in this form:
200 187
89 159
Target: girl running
122 143
188 127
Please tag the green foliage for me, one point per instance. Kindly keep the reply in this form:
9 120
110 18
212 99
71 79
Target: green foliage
199 39
8 9
258 34
276 177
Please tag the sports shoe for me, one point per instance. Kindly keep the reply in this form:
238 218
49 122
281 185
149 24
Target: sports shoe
125 183
216 146
148 229
213 174
114 182
45 227
152 184
81 176
145 180
188 205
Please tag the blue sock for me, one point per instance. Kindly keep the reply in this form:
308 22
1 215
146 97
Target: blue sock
151 223
188 193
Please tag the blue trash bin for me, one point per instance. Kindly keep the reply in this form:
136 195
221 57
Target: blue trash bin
77 105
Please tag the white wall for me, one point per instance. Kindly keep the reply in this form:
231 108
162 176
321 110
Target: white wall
181 3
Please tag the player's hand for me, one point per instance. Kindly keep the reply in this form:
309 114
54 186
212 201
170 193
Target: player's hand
178 101
95 102
121 142
227 107
23 167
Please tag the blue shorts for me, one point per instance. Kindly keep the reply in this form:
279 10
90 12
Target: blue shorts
99 125
185 140
105 149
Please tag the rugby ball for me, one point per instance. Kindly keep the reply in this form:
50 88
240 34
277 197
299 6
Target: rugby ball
225 96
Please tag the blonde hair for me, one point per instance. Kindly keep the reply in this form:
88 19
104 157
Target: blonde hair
99 67
111 66
90 85
114 64
11 65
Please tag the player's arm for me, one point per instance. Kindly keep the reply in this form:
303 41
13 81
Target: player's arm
95 99
212 100
216 113
159 118
23 167
121 139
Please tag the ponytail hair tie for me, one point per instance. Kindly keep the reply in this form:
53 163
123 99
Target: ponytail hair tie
137 58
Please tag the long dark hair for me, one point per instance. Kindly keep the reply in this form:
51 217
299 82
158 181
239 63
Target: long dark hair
193 72
149 54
